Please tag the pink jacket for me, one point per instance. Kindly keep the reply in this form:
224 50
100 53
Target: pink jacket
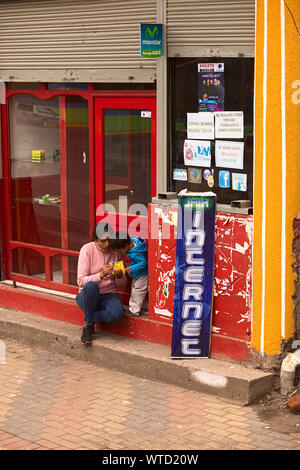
90 262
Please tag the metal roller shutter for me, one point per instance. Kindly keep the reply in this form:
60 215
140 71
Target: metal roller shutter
215 27
84 37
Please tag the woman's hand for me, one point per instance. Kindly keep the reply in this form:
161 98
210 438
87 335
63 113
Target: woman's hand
106 271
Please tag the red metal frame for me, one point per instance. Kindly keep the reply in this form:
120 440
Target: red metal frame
63 187
134 100
145 100
48 253
5 213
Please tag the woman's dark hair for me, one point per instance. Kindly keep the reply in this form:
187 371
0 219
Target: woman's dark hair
102 228
121 240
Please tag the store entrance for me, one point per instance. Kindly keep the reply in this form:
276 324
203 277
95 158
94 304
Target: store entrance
125 163
66 154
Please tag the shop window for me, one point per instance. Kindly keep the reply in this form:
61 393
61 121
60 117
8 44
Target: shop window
28 262
64 269
222 162
77 174
127 147
49 163
35 174
35 171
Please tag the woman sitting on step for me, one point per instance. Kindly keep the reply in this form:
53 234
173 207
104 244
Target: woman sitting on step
98 282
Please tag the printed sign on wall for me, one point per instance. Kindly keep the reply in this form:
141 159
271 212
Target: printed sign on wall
151 40
194 275
200 126
197 153
229 154
229 125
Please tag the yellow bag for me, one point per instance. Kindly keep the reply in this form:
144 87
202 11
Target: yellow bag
119 266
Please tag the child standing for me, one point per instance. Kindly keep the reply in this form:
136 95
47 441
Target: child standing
137 252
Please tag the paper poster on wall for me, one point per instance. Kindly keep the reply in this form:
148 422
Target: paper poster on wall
239 182
211 87
179 174
200 126
229 125
197 153
229 154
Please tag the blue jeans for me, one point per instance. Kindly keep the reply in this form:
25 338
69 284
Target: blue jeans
99 307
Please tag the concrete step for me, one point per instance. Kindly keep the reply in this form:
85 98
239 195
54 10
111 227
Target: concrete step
139 358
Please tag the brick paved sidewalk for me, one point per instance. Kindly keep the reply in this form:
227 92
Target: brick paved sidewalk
53 402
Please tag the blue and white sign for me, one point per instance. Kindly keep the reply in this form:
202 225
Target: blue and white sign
224 179
194 275
239 182
197 153
151 40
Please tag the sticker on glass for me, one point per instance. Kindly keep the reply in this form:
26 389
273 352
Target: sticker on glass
239 182
194 175
224 179
146 114
179 174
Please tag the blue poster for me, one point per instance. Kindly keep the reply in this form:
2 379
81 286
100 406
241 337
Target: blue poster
211 87
194 275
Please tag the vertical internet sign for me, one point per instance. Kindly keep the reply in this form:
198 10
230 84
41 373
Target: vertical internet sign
151 40
194 275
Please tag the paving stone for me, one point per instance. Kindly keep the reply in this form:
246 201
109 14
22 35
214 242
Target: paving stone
61 403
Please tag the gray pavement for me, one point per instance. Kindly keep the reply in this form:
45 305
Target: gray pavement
139 358
50 401
122 394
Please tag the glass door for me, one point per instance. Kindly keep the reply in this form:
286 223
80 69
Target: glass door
125 166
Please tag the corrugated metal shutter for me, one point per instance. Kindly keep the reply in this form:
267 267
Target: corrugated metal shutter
208 26
73 34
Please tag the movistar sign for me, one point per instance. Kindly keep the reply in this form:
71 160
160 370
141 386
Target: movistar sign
151 40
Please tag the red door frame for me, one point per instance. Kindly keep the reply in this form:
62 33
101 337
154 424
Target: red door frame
135 101
43 93
142 101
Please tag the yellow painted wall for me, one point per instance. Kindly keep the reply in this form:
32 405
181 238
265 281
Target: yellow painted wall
293 142
274 206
